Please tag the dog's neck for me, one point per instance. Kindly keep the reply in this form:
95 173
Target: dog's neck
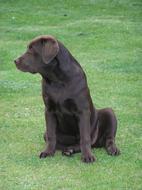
52 73
60 69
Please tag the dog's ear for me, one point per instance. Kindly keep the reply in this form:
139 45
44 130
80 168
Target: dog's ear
50 49
46 46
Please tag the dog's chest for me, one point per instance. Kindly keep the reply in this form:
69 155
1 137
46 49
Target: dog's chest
58 100
66 113
62 106
68 106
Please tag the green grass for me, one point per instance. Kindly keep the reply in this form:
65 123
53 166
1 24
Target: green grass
106 38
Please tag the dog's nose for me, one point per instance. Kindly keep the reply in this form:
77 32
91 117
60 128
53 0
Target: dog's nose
16 61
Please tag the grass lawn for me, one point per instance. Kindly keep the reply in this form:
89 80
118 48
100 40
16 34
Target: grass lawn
105 36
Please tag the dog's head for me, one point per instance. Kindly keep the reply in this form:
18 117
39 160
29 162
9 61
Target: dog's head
40 52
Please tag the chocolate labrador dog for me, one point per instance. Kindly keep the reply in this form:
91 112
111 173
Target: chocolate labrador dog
72 122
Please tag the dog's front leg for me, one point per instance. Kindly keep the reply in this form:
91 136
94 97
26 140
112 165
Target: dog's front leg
51 135
85 137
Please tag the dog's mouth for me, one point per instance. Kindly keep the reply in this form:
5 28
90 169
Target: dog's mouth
21 68
24 68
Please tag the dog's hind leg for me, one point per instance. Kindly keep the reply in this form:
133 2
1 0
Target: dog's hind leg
107 131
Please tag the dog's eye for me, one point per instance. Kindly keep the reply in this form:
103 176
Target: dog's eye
30 50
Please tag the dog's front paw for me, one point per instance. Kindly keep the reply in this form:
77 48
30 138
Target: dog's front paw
45 154
88 158
113 150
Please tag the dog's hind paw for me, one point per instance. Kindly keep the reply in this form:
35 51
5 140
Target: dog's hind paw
67 152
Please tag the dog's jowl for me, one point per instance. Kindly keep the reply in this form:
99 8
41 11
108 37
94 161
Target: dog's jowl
73 124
